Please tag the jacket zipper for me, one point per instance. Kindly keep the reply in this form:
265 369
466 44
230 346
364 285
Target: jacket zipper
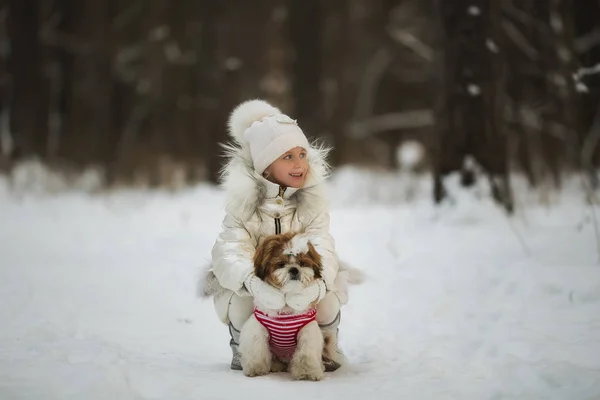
278 219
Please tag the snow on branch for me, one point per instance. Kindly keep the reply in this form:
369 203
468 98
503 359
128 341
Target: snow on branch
392 121
412 42
374 71
582 73
528 20
520 40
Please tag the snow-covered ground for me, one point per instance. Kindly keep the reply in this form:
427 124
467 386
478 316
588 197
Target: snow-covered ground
97 297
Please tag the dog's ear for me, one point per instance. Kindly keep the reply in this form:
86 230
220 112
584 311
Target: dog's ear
264 253
317 260
286 237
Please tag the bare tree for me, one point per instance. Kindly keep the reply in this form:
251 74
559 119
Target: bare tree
307 61
29 106
337 70
138 87
6 140
469 114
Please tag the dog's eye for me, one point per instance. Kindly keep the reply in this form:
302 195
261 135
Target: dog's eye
301 263
280 264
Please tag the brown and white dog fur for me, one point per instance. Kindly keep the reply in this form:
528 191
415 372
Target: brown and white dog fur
289 262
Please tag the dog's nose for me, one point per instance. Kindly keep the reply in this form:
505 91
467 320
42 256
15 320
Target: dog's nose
294 273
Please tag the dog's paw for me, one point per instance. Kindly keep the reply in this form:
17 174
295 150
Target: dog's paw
256 368
306 369
278 366
257 371
314 375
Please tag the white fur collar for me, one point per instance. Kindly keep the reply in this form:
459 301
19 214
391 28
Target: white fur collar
246 190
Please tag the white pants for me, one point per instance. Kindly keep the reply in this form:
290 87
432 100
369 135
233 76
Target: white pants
235 309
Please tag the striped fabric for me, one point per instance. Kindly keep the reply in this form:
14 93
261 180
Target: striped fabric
283 330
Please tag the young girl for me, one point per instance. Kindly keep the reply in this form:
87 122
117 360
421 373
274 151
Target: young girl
273 180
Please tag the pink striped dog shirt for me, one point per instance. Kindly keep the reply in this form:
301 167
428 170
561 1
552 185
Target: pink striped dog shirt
283 330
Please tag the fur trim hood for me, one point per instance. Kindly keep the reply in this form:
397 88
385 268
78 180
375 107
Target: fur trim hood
246 189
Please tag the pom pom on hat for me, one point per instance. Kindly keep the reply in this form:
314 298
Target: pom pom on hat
245 114
266 131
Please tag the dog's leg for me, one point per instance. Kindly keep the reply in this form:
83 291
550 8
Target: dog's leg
254 348
278 365
306 363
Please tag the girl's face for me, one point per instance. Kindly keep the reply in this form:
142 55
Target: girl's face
289 169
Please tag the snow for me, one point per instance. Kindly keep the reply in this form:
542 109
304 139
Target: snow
564 54
492 46
582 72
410 153
556 22
580 87
98 296
233 63
159 33
473 89
474 11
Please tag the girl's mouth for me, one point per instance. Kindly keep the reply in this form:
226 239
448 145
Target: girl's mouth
297 175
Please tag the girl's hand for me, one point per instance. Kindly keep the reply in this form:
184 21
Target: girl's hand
265 295
302 300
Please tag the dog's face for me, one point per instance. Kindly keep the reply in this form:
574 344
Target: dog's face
287 261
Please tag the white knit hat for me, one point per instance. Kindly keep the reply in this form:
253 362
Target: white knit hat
266 130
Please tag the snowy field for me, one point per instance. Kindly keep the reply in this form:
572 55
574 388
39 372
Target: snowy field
97 297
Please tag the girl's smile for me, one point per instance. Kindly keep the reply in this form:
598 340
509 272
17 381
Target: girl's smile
290 169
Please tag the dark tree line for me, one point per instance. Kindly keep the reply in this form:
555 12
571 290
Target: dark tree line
142 88
512 97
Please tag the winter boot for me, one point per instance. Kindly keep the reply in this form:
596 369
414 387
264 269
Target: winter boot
332 355
234 343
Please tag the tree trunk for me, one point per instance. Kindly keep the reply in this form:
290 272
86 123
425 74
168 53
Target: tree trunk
5 91
209 90
562 24
337 93
307 62
469 115
90 133
29 108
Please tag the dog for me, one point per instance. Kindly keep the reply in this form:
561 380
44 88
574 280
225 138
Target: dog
285 339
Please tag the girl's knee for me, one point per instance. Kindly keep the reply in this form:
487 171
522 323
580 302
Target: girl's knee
328 309
240 309
233 309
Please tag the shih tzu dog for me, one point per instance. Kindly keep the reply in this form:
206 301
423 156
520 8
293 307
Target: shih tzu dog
285 339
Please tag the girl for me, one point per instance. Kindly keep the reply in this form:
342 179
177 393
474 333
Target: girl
274 184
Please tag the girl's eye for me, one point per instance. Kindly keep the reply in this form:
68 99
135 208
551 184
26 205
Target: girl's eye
287 157
302 155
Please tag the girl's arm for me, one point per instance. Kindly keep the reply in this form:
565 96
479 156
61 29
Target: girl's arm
318 234
232 255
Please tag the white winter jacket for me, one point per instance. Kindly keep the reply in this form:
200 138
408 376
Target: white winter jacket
256 208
